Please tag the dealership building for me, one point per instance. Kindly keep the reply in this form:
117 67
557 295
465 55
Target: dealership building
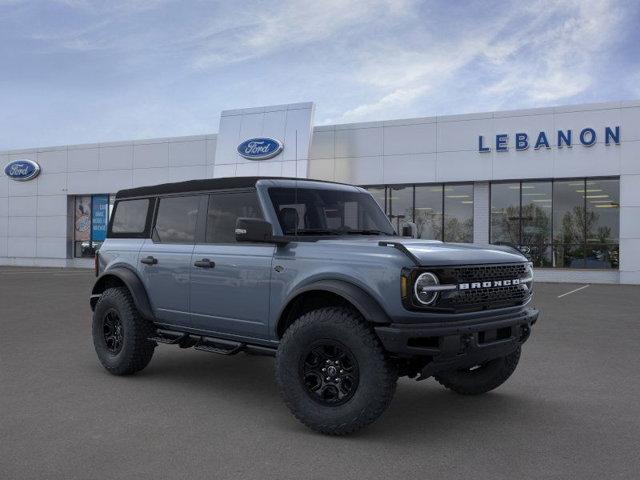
562 184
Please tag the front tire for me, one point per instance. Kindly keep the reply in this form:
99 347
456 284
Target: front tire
481 378
333 373
120 334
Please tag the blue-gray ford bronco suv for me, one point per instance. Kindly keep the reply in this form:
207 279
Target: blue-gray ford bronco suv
313 273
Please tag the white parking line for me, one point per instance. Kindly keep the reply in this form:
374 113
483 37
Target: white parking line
573 291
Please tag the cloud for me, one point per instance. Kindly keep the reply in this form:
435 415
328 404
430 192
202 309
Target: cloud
541 53
210 34
288 24
553 60
406 76
102 8
398 98
120 69
89 26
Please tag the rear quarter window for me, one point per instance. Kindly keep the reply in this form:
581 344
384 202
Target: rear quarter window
130 218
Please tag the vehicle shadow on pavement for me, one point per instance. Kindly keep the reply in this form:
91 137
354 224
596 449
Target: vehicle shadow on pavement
420 408
240 379
245 385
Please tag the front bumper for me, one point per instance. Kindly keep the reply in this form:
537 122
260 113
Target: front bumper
447 346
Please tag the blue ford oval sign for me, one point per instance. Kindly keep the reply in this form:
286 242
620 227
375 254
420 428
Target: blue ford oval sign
260 148
22 170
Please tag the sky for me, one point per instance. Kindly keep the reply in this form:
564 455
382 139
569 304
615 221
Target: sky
80 71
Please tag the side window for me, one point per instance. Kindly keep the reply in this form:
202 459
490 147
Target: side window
130 216
224 210
176 219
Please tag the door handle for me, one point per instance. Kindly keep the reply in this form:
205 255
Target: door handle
149 260
204 263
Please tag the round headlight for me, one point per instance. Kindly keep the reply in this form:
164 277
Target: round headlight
528 280
422 291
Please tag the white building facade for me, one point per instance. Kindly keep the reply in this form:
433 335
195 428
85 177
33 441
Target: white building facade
562 184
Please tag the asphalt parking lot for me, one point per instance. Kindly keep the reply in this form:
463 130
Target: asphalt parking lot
571 410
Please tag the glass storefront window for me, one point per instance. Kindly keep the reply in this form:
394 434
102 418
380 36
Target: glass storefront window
568 256
428 211
400 203
602 256
564 223
603 223
536 221
440 212
458 213
91 216
505 214
603 211
569 223
568 212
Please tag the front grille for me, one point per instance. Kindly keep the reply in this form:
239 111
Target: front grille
481 273
486 297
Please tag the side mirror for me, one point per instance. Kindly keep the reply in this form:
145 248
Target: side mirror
253 230
410 230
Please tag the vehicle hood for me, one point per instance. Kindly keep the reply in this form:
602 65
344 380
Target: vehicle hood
435 253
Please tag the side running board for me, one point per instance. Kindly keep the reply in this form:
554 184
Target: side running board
220 346
169 337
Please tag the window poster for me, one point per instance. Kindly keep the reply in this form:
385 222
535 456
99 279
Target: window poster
100 215
82 221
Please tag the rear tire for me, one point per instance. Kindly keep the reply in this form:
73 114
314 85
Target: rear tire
120 334
357 383
480 379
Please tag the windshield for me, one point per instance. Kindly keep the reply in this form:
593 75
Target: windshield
314 211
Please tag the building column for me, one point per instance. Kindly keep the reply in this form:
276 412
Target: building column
629 229
481 208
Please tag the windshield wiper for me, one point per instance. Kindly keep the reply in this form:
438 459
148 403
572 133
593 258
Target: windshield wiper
325 231
316 231
366 232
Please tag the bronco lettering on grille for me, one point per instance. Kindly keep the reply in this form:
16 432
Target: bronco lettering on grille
488 284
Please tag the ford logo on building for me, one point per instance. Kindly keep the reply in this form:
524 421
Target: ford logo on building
22 170
260 148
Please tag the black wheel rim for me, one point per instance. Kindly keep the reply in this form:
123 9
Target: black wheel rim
329 373
112 331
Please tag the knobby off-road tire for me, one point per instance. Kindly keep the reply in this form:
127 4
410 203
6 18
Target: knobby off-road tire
481 379
120 334
360 381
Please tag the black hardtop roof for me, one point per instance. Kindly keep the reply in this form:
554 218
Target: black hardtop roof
203 185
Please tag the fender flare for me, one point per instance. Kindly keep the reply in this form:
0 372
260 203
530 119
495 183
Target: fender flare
360 299
132 281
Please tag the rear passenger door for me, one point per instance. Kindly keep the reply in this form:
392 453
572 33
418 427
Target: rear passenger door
230 281
165 259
